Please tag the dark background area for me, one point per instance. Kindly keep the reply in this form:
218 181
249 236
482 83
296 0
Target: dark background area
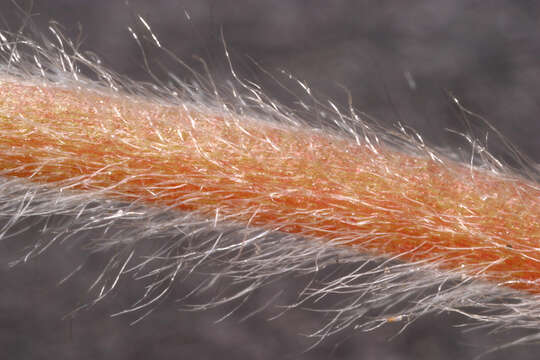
400 60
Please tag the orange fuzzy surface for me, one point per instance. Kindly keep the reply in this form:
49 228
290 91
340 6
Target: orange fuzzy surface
290 179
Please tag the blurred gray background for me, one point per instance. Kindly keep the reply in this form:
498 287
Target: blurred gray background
399 60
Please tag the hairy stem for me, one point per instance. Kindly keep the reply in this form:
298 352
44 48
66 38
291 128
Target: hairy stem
255 173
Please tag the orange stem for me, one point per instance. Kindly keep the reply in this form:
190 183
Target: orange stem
261 174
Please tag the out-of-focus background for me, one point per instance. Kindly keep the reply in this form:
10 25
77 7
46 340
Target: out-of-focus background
399 60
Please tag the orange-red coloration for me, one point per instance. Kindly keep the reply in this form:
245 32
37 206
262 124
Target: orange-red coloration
259 174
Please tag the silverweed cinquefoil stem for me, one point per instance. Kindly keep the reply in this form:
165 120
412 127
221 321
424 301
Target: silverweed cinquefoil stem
256 173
